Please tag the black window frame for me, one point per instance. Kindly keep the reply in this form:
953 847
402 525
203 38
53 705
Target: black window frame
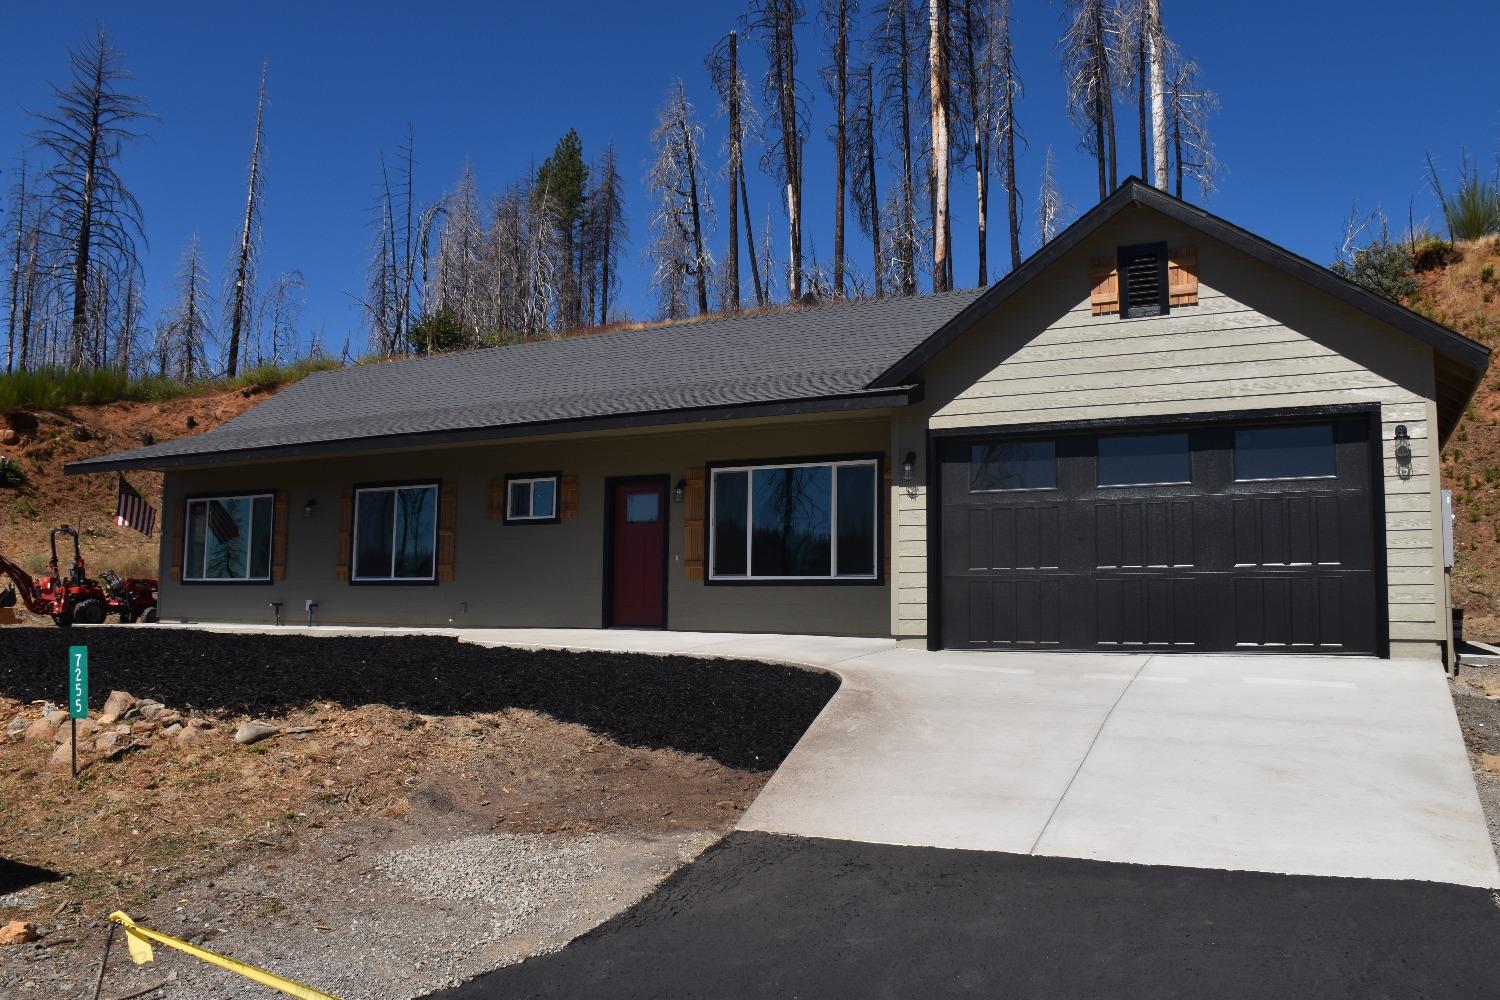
1235 451
1050 439
435 484
1187 455
210 581
881 528
1123 256
533 477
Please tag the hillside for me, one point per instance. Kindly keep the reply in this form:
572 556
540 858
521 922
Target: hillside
47 440
1464 293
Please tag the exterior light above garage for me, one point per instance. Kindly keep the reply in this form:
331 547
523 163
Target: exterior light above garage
909 467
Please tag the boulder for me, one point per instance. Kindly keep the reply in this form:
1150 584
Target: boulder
17 726
107 741
54 715
117 704
86 729
150 709
62 755
9 437
41 729
18 932
192 736
168 717
172 730
142 727
254 732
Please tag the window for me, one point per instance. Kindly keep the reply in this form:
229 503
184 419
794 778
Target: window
1013 465
229 538
531 499
814 521
1143 459
1286 452
642 508
1143 280
395 533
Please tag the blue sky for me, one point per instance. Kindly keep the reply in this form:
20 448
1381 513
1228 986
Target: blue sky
1323 104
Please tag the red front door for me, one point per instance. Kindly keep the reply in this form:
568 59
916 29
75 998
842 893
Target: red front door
637 555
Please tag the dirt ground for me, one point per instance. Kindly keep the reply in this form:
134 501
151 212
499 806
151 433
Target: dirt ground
445 810
1476 696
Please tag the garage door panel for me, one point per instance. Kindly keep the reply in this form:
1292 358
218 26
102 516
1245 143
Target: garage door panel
1211 564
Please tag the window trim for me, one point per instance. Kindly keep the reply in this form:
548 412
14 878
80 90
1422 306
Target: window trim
1158 250
875 459
260 581
436 485
533 478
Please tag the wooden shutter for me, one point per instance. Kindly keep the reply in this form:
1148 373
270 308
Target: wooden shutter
567 488
447 519
694 503
278 539
887 525
346 521
1104 284
179 519
1182 276
496 509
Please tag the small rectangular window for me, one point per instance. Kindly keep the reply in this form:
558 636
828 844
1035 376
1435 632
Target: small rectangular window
1143 280
1286 452
817 521
1143 459
395 533
229 538
1013 465
642 508
531 499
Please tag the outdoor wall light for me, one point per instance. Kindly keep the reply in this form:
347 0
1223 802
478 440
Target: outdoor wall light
679 490
909 468
307 508
1403 452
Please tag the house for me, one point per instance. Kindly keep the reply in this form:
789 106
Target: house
1161 432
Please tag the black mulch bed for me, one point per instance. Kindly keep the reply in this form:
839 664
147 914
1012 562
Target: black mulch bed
743 714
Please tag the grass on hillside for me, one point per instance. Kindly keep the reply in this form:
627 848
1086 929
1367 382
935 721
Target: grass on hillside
50 388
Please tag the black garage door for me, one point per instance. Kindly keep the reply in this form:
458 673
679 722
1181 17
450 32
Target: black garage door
1240 537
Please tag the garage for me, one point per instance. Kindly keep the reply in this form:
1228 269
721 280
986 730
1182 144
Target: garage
1250 535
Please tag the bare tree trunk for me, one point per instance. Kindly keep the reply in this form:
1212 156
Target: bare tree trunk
19 222
736 152
692 178
937 88
1177 149
1142 61
85 241
872 176
841 98
760 288
908 194
1159 95
240 306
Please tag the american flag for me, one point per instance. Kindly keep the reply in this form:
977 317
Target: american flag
132 510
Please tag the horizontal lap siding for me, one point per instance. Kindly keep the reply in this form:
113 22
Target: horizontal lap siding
1221 355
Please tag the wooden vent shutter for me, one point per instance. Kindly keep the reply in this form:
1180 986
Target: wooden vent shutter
495 511
447 520
278 539
1104 282
345 541
567 488
694 505
1182 275
179 522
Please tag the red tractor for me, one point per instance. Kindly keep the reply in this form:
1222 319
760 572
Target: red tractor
75 599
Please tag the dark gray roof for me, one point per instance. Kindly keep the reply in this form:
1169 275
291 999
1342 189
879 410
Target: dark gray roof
810 358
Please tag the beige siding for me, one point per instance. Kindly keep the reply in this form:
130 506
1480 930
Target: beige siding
1257 340
532 575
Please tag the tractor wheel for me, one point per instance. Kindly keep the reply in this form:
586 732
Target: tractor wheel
89 611
148 617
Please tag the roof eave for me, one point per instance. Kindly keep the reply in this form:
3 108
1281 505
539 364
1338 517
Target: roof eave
865 399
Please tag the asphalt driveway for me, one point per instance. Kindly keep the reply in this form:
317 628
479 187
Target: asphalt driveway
762 915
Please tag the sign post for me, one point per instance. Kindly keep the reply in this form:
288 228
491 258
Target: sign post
78 693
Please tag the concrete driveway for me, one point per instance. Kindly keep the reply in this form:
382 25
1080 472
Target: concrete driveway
1305 765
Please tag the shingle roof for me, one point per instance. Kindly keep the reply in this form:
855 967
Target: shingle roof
766 358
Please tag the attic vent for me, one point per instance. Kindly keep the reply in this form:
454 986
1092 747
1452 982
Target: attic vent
1143 288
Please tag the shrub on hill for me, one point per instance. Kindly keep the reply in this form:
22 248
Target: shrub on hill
1382 267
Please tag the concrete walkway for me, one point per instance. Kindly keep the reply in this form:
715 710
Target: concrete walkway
1300 765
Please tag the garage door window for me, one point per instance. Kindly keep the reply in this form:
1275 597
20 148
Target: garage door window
1143 459
1013 465
794 522
1287 452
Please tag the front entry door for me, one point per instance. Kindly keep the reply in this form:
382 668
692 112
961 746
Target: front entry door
637 553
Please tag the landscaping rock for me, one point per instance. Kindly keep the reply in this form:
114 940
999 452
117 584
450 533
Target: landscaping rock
168 717
86 729
172 730
18 932
150 709
117 704
192 736
254 732
9 437
106 742
62 755
41 729
54 715
17 726
142 727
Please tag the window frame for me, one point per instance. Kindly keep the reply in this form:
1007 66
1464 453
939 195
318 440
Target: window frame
436 485
877 460
187 507
1051 439
533 478
1101 437
1164 302
1234 450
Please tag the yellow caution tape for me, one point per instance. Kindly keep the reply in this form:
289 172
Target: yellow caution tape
139 939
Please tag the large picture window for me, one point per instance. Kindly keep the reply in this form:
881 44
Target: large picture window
229 538
808 521
395 533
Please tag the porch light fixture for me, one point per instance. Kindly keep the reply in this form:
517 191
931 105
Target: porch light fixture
307 508
909 468
679 490
1403 452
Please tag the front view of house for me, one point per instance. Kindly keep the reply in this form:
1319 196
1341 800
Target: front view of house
1160 433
